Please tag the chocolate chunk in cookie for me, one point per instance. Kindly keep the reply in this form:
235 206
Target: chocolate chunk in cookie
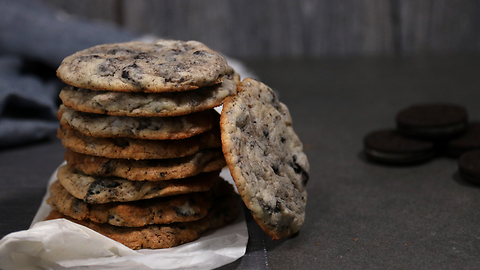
265 158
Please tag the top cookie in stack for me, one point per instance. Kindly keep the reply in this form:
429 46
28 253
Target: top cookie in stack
161 66
143 142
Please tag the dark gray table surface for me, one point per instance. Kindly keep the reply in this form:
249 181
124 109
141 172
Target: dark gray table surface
359 215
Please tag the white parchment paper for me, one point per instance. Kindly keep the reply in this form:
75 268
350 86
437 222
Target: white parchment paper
61 244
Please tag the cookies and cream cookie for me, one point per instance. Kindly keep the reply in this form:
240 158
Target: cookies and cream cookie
150 169
161 66
147 104
265 158
128 148
148 128
164 210
225 209
96 189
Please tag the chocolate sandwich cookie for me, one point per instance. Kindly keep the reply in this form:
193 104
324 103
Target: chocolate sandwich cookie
466 142
390 146
433 121
469 166
265 158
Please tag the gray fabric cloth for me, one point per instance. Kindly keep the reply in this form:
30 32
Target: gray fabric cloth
33 42
27 104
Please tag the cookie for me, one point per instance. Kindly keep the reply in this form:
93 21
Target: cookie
466 142
226 208
390 146
161 66
144 104
163 210
151 169
433 121
265 158
128 148
469 166
97 190
147 128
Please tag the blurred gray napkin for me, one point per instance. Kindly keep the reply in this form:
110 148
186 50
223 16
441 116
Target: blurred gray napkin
33 41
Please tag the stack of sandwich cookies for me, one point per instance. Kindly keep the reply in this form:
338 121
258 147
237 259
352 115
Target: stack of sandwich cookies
422 133
143 142
425 131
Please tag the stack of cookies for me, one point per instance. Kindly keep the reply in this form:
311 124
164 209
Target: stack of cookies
143 142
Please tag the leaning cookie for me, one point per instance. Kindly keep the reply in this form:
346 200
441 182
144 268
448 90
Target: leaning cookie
161 66
147 128
145 104
226 208
265 158
128 148
97 190
180 208
150 169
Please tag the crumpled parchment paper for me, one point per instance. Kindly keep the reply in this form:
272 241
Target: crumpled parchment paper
61 244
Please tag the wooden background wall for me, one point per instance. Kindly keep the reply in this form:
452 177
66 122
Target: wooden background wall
299 28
